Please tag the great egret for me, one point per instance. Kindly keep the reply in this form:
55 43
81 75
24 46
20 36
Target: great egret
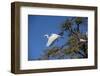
83 40
51 38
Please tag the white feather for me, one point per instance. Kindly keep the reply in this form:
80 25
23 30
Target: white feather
51 39
82 40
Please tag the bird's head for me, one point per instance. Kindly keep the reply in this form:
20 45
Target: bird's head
46 35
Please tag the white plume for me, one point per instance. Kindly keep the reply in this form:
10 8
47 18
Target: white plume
51 38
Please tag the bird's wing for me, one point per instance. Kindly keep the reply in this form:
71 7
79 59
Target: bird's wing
82 40
51 40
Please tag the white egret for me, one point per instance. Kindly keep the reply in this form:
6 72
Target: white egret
83 40
51 38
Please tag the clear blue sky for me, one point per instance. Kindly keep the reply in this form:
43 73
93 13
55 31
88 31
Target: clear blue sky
38 26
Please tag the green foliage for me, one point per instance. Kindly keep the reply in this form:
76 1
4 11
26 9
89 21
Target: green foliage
52 51
78 20
66 25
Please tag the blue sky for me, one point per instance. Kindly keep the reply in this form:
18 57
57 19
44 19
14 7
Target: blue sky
38 26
